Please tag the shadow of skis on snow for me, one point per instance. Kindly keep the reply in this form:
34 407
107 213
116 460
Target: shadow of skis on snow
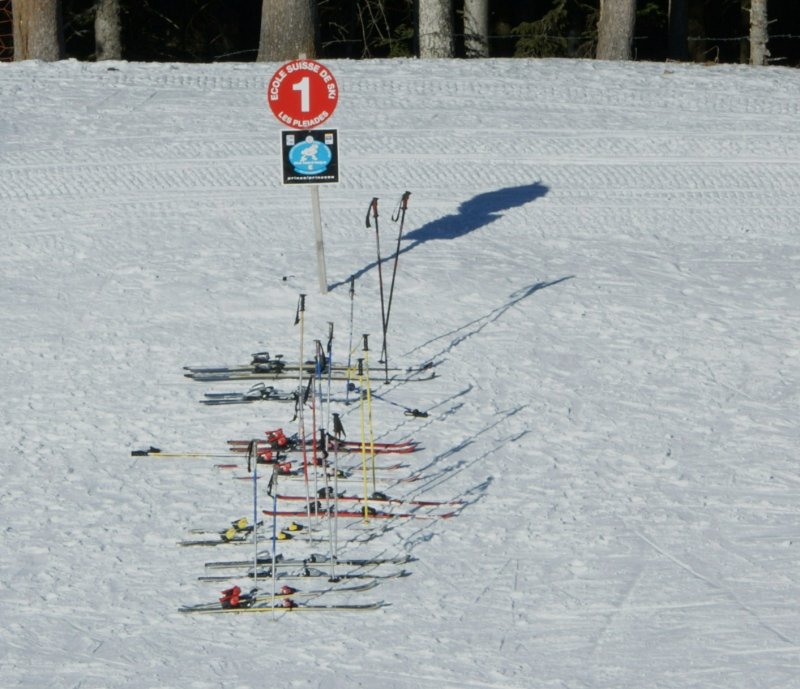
477 212
451 406
439 470
476 325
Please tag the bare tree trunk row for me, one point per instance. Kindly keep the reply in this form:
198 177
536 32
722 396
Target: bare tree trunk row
678 30
615 29
288 29
759 32
37 30
435 28
107 31
476 28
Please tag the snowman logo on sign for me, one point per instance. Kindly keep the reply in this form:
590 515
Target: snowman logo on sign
309 153
310 157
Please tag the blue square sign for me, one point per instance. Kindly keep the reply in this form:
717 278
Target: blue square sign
310 156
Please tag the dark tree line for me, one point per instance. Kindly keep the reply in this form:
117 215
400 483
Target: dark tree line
230 30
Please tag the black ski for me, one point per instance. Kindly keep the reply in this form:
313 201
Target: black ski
257 393
304 573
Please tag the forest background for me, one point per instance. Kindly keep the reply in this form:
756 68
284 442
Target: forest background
230 30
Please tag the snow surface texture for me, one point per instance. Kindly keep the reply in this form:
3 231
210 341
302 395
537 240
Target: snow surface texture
604 260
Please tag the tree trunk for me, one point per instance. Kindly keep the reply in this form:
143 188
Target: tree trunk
678 30
107 31
6 32
37 30
759 32
435 28
615 29
476 28
287 30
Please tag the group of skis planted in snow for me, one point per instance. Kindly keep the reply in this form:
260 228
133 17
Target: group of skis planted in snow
319 480
315 480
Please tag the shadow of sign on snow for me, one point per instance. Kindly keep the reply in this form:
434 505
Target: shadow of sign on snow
477 212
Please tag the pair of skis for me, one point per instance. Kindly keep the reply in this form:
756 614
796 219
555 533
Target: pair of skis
331 444
340 374
352 476
288 599
268 565
267 448
305 573
262 362
290 605
260 392
265 558
380 498
365 514
240 532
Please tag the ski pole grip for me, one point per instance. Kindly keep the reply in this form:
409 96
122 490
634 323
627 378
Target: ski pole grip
360 367
338 428
319 356
302 306
366 342
373 209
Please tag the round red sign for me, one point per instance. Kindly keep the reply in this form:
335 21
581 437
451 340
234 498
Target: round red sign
302 94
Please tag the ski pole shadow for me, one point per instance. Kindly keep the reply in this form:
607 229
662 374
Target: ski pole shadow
475 326
432 476
473 214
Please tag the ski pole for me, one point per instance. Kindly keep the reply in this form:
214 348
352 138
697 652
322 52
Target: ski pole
373 208
369 411
330 375
300 319
350 348
273 486
363 437
399 215
252 458
338 432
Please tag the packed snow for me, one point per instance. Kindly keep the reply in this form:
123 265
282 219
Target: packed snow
602 260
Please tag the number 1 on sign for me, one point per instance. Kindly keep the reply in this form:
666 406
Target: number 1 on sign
305 93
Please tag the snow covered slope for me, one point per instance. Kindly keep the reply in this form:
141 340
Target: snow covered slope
603 258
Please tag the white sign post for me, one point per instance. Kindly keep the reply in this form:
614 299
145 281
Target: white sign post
303 94
317 216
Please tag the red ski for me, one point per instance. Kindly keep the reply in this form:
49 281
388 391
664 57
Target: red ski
333 442
359 514
377 498
349 447
287 470
277 441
